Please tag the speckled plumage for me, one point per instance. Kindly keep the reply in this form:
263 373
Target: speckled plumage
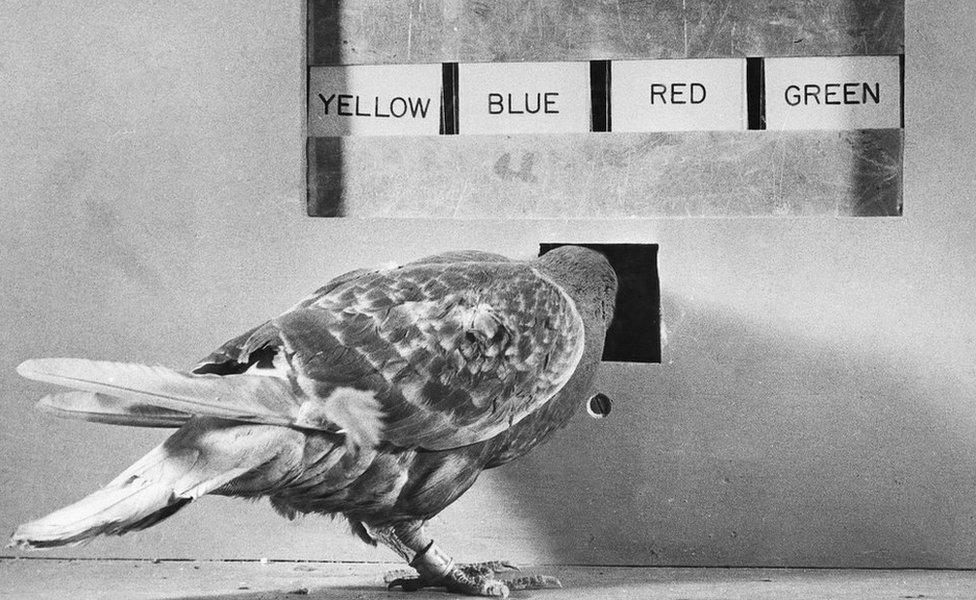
455 352
382 396
414 320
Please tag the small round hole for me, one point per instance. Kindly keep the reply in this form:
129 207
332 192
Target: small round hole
598 406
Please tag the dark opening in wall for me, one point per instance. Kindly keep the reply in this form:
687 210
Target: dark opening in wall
635 334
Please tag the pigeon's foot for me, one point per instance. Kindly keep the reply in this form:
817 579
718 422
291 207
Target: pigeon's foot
437 569
476 579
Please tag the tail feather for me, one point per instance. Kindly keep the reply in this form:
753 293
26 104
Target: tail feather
252 398
239 434
108 511
198 459
134 394
99 408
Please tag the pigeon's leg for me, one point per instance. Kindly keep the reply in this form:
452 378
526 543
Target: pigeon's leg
437 569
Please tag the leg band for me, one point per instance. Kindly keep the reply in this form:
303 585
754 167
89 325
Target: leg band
432 564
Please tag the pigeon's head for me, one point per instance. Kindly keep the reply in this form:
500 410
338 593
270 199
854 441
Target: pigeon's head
588 277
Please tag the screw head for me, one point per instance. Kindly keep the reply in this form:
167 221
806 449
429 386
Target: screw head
598 406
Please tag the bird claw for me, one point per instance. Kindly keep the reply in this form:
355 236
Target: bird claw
458 582
476 579
491 567
534 582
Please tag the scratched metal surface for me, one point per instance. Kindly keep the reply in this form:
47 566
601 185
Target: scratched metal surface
752 173
365 31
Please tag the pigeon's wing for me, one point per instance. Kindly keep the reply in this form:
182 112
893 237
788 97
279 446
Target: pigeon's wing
454 256
256 348
455 352
441 353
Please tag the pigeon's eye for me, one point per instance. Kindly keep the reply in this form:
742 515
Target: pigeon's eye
598 406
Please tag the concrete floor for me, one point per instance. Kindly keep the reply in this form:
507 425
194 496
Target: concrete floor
132 579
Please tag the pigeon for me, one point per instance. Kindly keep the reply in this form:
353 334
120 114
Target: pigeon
381 398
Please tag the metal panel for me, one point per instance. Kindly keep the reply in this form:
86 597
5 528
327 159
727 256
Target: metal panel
365 31
745 173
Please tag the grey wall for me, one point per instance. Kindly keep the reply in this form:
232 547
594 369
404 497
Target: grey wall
815 405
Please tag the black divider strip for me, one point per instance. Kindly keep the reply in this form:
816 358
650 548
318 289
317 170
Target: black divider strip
600 95
901 67
449 95
756 93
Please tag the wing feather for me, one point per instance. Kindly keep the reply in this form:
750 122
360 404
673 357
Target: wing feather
456 352
455 348
99 408
240 397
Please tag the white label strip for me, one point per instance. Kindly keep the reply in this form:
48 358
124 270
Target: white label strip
846 92
679 95
523 97
374 100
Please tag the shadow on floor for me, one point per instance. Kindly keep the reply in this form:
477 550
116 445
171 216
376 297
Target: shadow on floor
752 445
